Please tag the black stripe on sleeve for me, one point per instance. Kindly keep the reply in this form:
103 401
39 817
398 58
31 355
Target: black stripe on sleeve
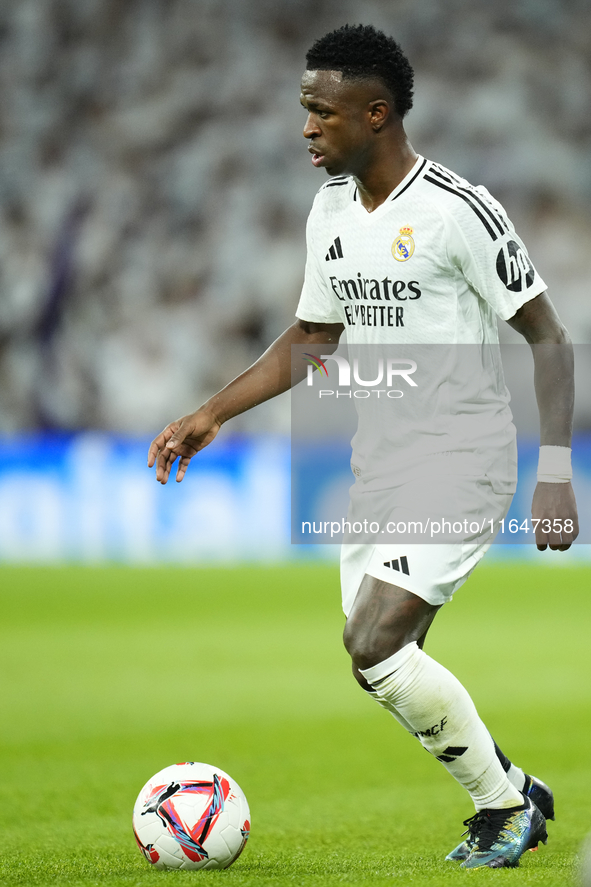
466 199
471 192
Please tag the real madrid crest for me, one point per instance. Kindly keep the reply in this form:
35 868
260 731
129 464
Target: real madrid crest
404 246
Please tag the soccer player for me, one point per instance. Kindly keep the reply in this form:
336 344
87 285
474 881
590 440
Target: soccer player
401 250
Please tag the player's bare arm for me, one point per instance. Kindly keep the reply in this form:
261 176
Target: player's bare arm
272 374
539 324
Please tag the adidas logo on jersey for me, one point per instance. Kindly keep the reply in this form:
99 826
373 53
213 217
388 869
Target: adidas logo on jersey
335 252
394 565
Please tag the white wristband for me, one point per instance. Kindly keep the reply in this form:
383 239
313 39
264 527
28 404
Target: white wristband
554 465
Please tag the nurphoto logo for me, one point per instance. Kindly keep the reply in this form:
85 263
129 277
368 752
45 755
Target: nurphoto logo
387 370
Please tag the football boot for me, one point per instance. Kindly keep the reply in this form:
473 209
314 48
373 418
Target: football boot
540 794
499 838
535 789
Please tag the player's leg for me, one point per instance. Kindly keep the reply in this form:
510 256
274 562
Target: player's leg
386 619
537 790
381 635
534 788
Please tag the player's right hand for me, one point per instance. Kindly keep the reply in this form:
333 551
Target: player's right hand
181 440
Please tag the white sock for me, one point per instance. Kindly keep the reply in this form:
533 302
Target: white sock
389 707
516 777
432 705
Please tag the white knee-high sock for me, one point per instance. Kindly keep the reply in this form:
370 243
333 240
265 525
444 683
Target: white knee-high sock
389 707
432 705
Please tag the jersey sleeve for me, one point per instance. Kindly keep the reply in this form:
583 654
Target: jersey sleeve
317 303
484 247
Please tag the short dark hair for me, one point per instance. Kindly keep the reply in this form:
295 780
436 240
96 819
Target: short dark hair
361 51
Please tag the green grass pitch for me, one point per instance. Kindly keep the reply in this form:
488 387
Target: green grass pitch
110 674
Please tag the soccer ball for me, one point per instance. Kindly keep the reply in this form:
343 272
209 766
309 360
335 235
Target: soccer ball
191 816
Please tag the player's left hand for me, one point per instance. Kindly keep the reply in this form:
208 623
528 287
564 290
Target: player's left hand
555 507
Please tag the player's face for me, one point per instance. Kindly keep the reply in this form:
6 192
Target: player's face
338 123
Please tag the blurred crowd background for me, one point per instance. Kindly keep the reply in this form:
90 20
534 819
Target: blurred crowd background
154 182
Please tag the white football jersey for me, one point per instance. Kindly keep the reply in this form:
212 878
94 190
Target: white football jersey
435 263
432 266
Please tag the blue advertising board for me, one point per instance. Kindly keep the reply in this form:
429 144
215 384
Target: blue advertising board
90 498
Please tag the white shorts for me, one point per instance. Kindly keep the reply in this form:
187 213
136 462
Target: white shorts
432 572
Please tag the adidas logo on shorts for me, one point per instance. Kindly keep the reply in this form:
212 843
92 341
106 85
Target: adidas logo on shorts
394 565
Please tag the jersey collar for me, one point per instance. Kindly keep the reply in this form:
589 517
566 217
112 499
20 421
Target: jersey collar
417 170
